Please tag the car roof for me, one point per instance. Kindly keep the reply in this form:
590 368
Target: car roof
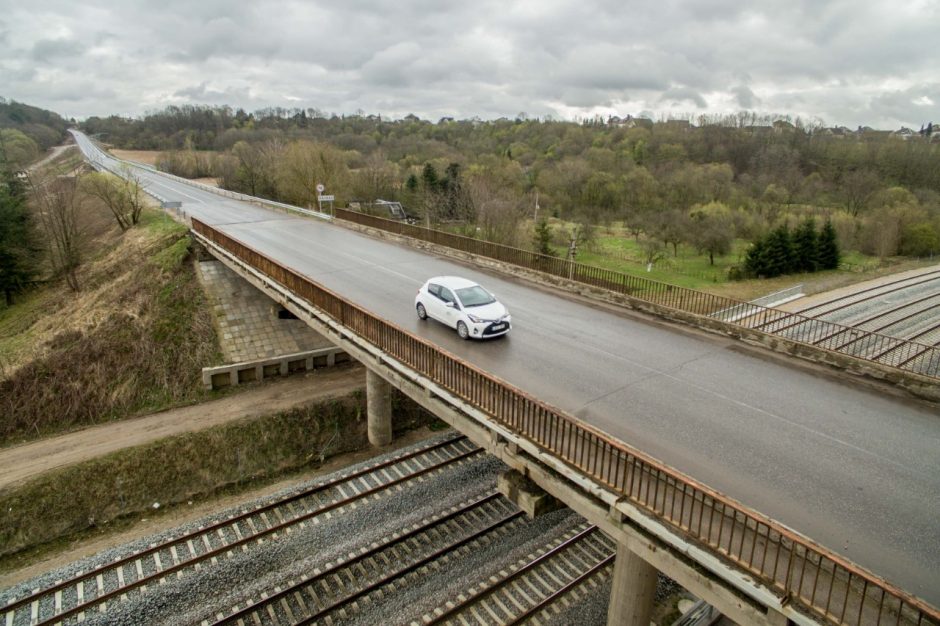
452 282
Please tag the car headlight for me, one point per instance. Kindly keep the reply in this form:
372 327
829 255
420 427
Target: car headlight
475 319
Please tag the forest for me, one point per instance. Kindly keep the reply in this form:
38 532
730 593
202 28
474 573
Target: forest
704 183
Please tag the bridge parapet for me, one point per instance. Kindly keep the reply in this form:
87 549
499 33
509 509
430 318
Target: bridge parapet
646 502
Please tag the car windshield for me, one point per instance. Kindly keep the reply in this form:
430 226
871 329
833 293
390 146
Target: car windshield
475 296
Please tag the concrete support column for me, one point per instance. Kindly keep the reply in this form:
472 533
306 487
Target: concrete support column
633 590
379 409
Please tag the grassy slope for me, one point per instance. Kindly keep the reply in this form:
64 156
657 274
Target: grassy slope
132 341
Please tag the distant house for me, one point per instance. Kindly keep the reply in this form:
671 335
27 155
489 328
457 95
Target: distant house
904 133
783 126
630 122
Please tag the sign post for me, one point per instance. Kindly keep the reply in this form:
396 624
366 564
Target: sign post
320 189
324 198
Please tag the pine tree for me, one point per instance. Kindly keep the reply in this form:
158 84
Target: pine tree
829 254
777 253
806 246
543 238
754 260
19 250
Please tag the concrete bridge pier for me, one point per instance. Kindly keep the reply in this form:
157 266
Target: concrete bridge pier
633 590
378 409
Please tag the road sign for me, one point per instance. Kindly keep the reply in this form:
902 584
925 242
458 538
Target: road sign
329 198
320 187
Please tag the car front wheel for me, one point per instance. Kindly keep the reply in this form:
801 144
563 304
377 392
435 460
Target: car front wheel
422 312
463 331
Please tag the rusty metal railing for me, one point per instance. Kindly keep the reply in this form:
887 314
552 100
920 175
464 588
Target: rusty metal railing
870 346
809 576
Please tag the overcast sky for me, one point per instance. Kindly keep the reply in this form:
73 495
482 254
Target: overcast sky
843 62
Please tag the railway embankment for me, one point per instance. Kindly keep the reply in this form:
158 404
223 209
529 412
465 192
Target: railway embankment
180 462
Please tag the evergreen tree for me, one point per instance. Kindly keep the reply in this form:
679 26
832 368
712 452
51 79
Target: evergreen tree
754 260
829 254
429 178
543 238
806 246
778 253
19 249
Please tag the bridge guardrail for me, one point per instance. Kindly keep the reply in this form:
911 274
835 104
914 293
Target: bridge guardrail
778 557
866 345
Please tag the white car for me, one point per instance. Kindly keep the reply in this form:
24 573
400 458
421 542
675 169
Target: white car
464 305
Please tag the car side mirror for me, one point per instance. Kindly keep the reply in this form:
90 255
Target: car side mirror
450 305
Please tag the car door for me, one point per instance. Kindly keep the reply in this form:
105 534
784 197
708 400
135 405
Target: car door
450 314
434 305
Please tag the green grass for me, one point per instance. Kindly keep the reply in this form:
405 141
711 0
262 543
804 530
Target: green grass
159 223
615 249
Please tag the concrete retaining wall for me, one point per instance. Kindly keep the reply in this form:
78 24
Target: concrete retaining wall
252 371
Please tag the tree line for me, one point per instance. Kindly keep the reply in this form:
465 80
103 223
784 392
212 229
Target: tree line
671 183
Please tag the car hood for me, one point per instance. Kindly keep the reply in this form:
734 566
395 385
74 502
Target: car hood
491 311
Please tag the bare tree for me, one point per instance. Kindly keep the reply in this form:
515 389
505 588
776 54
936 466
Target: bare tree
499 212
58 204
124 196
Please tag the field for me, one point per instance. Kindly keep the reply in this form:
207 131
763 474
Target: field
147 157
615 249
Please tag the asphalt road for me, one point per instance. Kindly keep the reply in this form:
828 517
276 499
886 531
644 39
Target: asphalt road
855 470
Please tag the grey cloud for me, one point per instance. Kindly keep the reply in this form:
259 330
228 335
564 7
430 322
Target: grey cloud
678 95
745 97
49 50
837 60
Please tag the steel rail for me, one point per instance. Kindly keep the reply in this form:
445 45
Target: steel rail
874 288
273 598
525 615
846 305
892 322
639 288
881 314
211 528
252 538
502 582
424 561
928 331
764 548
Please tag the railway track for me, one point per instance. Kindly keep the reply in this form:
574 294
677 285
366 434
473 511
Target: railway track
902 335
837 304
91 592
341 590
909 320
798 324
579 562
337 590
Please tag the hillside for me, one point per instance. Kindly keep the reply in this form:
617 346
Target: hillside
45 128
132 340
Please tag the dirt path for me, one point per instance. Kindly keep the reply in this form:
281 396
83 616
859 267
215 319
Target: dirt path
20 462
